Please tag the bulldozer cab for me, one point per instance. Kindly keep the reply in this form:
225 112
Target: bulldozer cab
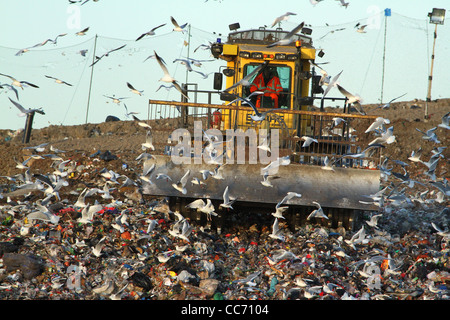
244 52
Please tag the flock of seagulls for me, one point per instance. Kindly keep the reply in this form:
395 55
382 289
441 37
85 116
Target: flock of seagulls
167 78
182 229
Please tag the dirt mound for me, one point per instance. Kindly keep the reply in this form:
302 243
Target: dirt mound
124 138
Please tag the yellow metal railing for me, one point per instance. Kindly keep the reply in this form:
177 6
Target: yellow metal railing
330 140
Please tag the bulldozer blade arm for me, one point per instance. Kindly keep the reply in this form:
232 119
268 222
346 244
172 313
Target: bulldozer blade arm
341 188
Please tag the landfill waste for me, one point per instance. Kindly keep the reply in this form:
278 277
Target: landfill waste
80 229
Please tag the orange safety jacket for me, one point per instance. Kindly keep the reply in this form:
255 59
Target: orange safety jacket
272 89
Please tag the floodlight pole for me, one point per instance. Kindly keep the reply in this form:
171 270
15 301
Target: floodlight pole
430 78
90 81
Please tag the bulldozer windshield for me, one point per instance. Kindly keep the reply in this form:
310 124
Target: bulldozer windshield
283 72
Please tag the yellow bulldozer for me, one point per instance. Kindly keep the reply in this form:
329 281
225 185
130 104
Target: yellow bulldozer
312 154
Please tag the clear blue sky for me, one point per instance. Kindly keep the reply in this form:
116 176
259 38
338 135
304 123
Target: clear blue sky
27 22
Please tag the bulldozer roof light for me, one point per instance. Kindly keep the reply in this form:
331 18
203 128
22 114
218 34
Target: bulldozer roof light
257 55
280 56
298 43
244 54
292 57
268 56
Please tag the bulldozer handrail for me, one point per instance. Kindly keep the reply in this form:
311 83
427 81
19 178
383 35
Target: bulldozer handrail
279 110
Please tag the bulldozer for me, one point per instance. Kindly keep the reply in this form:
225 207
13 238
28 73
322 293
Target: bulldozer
214 150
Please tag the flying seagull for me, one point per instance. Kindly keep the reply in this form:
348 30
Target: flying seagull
445 121
18 83
181 185
25 111
352 99
177 27
139 92
58 80
150 33
167 77
106 54
82 32
11 87
245 81
283 17
289 38
387 105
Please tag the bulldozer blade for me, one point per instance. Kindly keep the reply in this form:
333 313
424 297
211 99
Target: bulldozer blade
341 188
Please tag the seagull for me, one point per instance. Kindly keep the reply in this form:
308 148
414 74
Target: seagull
167 77
362 154
204 75
283 17
87 214
152 56
38 148
327 164
276 231
317 213
373 222
186 230
246 80
58 80
150 33
146 172
377 124
181 185
200 205
415 155
138 92
441 232
386 137
257 115
198 63
21 51
106 54
272 167
11 87
289 38
344 4
82 32
185 62
288 197
325 78
336 122
227 202
356 100
332 84
445 121
430 135
266 179
24 111
115 100
148 144
177 28
307 141
361 28
97 249
43 214
18 83
279 211
387 105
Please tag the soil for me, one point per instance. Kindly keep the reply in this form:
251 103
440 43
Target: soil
123 138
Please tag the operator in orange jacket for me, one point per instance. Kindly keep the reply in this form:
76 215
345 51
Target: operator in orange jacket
269 83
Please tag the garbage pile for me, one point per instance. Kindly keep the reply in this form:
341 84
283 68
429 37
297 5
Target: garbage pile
95 237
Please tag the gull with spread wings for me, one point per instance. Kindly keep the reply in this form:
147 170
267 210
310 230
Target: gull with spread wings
246 81
289 38
167 77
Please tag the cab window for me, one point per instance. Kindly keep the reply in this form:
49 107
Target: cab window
284 74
